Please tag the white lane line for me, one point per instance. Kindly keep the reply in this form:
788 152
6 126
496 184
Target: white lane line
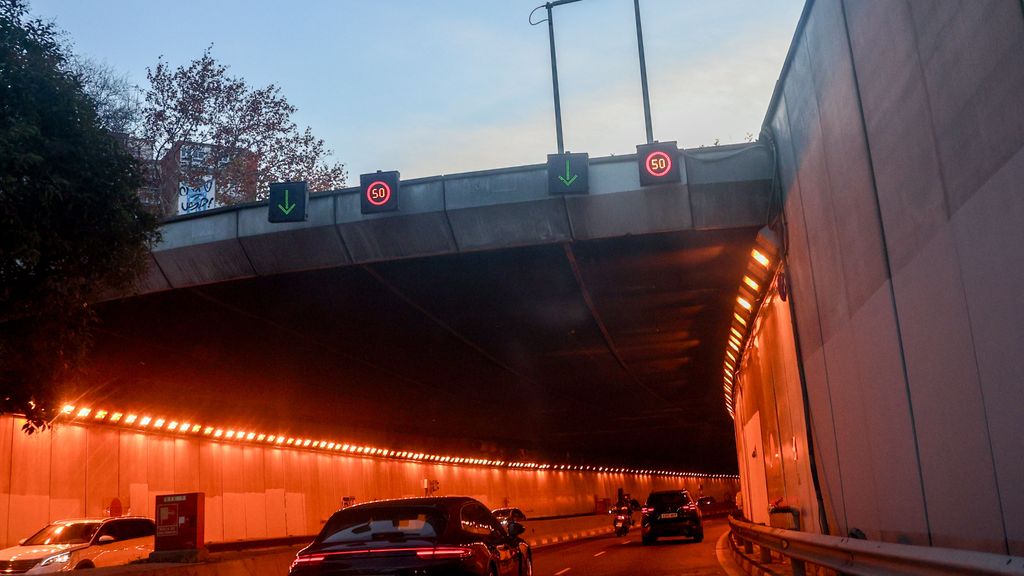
562 571
599 553
626 542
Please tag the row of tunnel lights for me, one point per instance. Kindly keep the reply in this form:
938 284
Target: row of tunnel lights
750 293
129 420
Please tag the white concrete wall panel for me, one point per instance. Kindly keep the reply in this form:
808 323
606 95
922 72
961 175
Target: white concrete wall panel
186 464
949 414
211 483
101 456
67 473
7 432
972 57
273 470
899 126
132 464
854 209
812 171
798 255
30 483
232 473
254 480
989 236
853 445
898 496
159 468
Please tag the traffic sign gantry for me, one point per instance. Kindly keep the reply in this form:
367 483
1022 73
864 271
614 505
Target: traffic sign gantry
658 163
288 201
568 173
379 191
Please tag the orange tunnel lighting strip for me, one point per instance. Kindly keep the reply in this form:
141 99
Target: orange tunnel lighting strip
180 428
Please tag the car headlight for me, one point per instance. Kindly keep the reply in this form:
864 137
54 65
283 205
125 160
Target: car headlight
61 558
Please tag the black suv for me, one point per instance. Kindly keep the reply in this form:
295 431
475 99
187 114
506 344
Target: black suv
671 513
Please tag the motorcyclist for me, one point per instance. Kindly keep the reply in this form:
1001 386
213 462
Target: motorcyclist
624 507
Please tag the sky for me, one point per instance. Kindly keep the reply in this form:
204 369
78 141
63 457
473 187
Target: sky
448 86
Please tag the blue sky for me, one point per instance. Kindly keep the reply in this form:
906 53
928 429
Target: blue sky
438 87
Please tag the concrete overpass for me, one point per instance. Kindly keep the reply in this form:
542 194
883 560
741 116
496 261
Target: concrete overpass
594 324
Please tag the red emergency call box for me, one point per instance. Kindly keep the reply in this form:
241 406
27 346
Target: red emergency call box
180 520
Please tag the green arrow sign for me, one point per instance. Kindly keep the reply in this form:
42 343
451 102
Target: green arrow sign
569 178
568 173
286 207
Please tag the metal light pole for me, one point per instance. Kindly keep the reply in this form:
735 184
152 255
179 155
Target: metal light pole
643 73
554 67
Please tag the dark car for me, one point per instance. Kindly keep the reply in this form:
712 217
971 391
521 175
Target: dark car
422 536
505 514
705 502
670 513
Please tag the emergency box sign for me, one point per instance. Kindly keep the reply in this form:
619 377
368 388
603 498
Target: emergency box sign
180 521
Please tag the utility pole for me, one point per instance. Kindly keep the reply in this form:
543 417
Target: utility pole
643 73
554 67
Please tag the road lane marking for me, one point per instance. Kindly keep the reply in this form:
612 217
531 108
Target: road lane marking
626 542
599 553
562 571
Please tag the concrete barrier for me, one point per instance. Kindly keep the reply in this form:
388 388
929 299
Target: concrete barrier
264 562
541 533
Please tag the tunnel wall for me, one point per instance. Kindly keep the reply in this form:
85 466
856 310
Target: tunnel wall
256 491
899 128
771 435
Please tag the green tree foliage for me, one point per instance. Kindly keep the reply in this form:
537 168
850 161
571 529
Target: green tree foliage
71 223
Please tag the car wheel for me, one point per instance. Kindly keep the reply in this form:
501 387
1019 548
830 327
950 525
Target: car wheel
699 537
84 565
648 540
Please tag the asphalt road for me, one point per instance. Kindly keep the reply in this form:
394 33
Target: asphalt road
614 556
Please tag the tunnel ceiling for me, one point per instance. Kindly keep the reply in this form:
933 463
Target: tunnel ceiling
602 351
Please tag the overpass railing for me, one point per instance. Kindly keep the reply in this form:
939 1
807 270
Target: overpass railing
867 557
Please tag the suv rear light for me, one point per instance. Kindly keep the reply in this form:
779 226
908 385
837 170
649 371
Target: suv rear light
307 560
444 553
646 510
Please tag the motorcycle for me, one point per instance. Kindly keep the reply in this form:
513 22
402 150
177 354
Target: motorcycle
623 520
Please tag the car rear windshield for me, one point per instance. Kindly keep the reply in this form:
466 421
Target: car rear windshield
671 499
63 534
366 524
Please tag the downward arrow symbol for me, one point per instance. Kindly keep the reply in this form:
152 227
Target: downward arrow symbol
287 207
569 178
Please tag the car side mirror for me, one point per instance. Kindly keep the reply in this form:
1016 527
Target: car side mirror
515 529
105 539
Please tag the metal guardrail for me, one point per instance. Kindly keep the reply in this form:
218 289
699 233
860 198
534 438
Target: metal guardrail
870 558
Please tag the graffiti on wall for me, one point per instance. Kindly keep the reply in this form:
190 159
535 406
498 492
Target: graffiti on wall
192 200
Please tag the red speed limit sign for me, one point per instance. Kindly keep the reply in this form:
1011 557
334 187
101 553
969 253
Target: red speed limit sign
658 163
380 191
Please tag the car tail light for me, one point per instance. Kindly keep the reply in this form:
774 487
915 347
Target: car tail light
646 510
444 553
307 560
